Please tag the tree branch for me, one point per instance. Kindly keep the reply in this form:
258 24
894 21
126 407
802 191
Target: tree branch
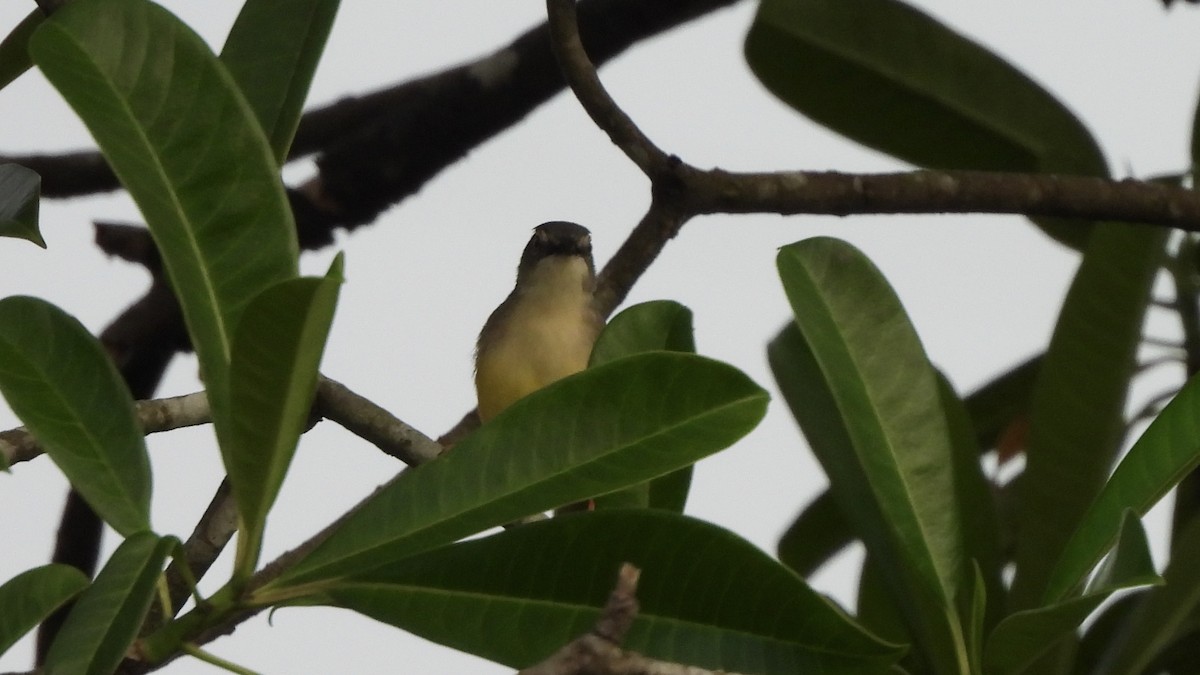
581 76
681 191
18 445
396 138
409 132
212 533
599 652
841 194
377 426
334 401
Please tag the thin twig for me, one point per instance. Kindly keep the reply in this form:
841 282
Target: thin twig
1167 360
1152 408
599 651
334 400
212 533
581 76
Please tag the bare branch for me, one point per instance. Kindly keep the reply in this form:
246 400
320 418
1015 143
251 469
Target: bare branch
411 131
334 400
661 222
19 445
372 423
585 83
599 652
681 191
841 194
212 533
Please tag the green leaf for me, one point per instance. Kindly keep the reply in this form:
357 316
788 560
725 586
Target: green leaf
1103 630
658 325
869 403
893 78
1024 636
977 628
271 52
1161 616
1077 421
33 595
879 613
20 190
595 432
1167 451
752 616
974 496
276 351
106 618
14 50
886 75
177 132
820 531
60 382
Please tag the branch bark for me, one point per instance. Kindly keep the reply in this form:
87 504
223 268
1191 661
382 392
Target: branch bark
334 401
681 191
599 651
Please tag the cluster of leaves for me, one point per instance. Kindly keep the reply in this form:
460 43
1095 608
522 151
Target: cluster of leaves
901 448
198 138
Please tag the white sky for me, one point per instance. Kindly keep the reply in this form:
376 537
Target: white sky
982 290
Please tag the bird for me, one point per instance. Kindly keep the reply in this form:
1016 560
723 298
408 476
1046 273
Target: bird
545 329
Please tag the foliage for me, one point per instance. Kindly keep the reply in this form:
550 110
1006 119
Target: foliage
197 139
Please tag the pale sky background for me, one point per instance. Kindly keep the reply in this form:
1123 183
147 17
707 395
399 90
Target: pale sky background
982 290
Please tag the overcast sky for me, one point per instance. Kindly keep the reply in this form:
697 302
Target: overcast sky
982 290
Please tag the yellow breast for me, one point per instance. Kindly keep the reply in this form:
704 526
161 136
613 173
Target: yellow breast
546 332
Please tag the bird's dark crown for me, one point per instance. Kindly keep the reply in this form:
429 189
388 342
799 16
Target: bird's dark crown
557 237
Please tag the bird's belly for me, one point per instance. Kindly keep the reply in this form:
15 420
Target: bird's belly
523 361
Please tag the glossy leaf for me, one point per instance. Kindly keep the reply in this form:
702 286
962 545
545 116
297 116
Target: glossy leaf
1024 636
105 619
1077 420
557 574
820 531
886 75
177 132
893 78
60 382
869 403
1168 450
595 432
974 496
878 612
276 351
1162 616
658 325
14 50
31 596
271 52
20 192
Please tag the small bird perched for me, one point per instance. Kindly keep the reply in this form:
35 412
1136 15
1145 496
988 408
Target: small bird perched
544 330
